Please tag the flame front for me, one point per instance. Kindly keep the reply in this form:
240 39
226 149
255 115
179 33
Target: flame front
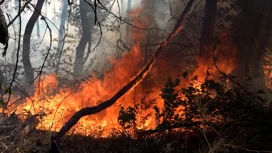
56 105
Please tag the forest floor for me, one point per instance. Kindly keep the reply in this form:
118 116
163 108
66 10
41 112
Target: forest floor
38 141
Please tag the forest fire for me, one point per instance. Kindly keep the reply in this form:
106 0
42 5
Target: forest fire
136 76
58 105
55 105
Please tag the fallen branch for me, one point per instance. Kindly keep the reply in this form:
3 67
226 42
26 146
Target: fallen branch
134 82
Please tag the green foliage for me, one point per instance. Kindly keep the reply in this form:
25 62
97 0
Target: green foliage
127 117
172 101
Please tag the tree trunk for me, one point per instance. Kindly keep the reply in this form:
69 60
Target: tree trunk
127 32
129 5
207 34
45 8
4 35
29 73
64 15
251 38
122 4
87 23
38 29
261 43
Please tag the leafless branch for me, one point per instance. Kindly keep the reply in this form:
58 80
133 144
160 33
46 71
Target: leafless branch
17 55
19 12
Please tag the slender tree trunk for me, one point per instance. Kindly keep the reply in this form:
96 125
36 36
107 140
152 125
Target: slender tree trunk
207 34
129 5
64 15
29 73
45 8
38 29
128 15
87 23
122 7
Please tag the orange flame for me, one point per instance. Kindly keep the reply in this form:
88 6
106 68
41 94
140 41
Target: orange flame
225 58
59 104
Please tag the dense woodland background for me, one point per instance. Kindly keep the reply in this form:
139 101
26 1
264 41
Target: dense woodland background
136 76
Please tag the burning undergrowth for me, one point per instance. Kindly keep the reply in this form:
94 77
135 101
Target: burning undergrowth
203 103
145 107
200 100
58 104
53 105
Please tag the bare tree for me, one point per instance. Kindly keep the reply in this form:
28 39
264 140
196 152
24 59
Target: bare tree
128 9
64 15
29 72
87 24
129 5
122 6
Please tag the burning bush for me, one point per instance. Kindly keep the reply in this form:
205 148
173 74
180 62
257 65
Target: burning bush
212 110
